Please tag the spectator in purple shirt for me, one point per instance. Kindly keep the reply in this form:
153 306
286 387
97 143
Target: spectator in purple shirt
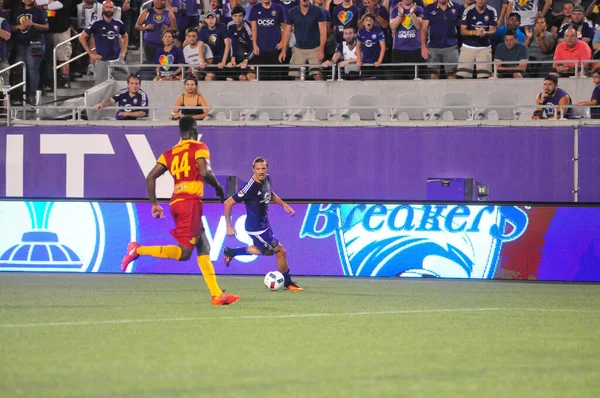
406 27
595 101
370 48
478 24
29 25
343 15
216 36
439 34
267 19
167 56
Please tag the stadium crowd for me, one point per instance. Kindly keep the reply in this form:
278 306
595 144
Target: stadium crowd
223 39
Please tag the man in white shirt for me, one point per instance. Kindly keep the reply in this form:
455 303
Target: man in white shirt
192 55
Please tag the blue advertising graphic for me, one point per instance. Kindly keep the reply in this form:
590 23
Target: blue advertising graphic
391 240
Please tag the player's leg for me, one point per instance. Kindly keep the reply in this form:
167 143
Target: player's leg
208 272
282 266
183 213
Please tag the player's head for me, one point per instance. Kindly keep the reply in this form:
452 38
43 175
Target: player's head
550 84
260 168
191 85
191 35
349 34
596 76
133 83
188 128
368 21
108 8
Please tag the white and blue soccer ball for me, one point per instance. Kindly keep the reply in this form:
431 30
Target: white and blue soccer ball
274 280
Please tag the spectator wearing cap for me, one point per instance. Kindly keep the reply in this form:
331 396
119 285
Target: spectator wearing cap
216 36
513 22
308 21
128 99
511 57
153 22
571 49
583 27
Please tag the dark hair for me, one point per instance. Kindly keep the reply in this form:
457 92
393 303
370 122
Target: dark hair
238 10
187 127
552 78
134 76
350 27
510 32
260 160
190 77
596 71
165 32
514 14
190 30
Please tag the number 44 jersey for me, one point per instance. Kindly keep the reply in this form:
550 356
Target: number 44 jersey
181 163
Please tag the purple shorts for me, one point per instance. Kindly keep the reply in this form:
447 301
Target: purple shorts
264 241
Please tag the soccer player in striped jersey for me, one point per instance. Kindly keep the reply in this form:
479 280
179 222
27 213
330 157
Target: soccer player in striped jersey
188 162
257 195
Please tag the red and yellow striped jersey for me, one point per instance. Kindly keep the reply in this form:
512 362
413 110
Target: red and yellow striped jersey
181 163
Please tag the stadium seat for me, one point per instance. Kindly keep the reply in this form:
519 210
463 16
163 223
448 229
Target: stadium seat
364 105
270 104
319 112
456 100
229 104
581 112
504 104
412 113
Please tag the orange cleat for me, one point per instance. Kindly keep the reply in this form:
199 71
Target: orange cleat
293 287
225 299
130 256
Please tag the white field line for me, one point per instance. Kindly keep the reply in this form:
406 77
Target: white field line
241 317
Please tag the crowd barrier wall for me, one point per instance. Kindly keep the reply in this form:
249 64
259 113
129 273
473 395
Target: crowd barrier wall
519 164
474 241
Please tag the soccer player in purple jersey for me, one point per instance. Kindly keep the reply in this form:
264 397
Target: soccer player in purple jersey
257 195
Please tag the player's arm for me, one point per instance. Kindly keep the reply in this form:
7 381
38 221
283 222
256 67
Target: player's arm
564 101
209 177
106 102
158 170
227 212
277 200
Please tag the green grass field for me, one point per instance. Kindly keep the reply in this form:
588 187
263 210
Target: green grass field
158 336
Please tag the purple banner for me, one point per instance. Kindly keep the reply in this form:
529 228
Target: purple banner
337 163
589 164
480 241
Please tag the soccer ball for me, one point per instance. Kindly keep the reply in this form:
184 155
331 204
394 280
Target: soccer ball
274 280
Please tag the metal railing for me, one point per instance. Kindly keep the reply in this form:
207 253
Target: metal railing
55 67
7 89
304 69
306 113
336 71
